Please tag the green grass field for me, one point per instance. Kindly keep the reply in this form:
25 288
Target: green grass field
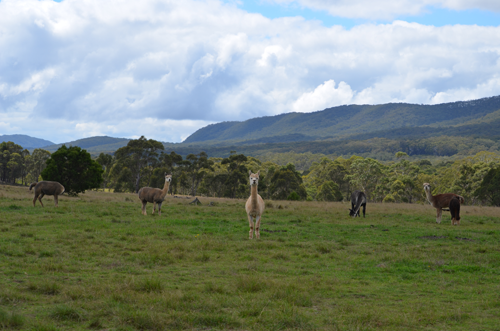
96 263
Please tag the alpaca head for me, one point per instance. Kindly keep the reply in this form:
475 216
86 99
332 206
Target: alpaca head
168 178
353 213
254 178
427 187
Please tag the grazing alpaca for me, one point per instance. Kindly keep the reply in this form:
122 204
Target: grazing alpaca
358 199
47 188
455 211
440 201
254 205
154 195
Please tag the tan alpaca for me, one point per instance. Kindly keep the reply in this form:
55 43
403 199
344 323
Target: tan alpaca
440 201
154 195
47 188
254 205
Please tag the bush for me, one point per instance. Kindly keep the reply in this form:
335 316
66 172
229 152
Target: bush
293 196
389 198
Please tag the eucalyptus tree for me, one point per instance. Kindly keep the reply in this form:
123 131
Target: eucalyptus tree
137 160
195 168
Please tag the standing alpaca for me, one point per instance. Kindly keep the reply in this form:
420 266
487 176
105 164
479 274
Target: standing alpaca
47 188
254 205
455 211
358 199
440 201
154 195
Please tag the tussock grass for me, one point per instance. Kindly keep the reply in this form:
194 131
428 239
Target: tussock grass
97 263
9 320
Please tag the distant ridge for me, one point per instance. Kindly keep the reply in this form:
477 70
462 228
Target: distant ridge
26 141
94 145
350 120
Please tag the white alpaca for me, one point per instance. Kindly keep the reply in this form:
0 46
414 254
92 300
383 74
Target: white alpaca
254 205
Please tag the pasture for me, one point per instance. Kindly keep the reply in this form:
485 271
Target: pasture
96 263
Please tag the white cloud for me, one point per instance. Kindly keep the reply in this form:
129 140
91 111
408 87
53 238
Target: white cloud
177 65
324 96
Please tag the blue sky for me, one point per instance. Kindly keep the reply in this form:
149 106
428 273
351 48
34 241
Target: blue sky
165 68
430 16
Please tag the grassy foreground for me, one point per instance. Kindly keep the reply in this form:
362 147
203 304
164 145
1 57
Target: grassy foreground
97 263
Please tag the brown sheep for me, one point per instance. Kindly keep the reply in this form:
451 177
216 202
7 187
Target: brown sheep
154 195
47 188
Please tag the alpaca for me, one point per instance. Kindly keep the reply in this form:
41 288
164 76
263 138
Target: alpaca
440 201
154 195
47 188
455 211
358 199
255 205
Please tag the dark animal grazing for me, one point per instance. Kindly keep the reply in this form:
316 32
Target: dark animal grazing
358 199
47 188
154 195
455 211
440 201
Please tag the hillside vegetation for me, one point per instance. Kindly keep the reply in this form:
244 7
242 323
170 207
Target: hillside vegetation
94 145
352 120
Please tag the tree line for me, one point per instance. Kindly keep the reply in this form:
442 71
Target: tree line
143 162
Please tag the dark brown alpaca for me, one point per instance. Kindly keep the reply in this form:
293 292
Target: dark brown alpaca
455 211
440 201
154 195
47 188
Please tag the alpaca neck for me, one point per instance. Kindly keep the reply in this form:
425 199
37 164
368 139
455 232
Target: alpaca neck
253 196
429 197
165 189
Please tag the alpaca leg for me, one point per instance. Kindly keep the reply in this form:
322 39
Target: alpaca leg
257 227
364 210
250 222
34 200
159 208
154 208
438 216
56 200
40 198
143 209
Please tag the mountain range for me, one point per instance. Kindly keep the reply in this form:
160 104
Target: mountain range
351 129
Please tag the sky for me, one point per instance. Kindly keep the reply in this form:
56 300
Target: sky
74 69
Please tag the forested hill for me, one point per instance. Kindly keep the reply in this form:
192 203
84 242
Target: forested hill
94 144
354 120
25 141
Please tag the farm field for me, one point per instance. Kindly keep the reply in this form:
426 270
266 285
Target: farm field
96 263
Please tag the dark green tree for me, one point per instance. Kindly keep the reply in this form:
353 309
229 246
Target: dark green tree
489 190
195 168
10 159
74 168
329 191
140 157
237 175
285 181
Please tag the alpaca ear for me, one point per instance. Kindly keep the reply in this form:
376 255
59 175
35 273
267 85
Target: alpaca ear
258 173
165 174
249 172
